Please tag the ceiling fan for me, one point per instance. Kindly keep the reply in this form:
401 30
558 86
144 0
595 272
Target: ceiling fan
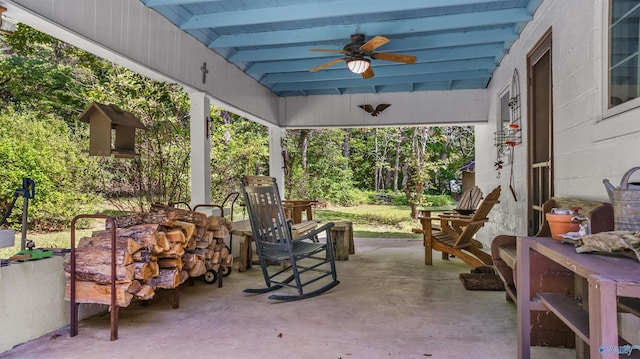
357 53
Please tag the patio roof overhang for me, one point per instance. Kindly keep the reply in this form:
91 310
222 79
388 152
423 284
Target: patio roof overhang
253 57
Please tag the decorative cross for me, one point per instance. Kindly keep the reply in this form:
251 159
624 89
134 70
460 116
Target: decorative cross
204 72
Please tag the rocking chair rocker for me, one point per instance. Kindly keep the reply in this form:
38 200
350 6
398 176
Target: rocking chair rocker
301 261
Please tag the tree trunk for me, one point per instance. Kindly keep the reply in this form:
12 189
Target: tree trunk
304 145
396 167
345 147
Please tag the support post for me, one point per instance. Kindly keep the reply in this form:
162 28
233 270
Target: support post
276 162
200 149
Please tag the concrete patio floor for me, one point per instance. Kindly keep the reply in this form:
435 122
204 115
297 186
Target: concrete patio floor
388 305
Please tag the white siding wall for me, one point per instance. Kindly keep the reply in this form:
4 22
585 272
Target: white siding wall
587 148
407 108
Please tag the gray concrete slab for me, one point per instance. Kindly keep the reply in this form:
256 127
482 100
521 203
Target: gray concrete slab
388 305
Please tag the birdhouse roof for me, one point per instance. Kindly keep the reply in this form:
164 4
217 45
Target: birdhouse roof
113 113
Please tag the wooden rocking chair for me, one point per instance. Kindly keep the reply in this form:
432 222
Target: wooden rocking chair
299 261
456 232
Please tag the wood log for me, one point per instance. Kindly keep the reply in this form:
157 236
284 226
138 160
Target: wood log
221 233
212 266
86 256
142 255
224 251
214 222
168 278
142 271
154 268
176 236
200 232
126 220
184 275
170 263
188 261
122 243
145 292
215 258
176 250
91 292
145 235
101 273
148 235
163 241
227 261
177 214
151 281
188 228
208 237
129 220
197 269
190 245
134 287
201 253
202 244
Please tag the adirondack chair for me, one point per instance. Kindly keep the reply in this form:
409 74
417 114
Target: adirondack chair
456 232
470 198
277 248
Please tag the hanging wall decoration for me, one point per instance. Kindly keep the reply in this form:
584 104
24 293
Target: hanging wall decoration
511 133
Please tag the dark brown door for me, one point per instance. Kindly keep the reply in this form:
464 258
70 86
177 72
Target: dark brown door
540 108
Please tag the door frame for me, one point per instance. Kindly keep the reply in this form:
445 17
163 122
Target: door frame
539 50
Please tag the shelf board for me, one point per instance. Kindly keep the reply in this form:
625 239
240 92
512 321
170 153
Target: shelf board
508 255
629 305
569 312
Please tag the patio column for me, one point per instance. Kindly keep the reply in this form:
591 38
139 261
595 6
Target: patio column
276 162
200 149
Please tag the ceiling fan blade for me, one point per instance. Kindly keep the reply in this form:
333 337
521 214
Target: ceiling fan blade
374 43
328 50
325 65
407 59
368 74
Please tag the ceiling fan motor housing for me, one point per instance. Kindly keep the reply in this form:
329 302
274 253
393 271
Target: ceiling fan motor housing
353 48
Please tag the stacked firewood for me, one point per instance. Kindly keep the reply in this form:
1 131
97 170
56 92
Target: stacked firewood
157 249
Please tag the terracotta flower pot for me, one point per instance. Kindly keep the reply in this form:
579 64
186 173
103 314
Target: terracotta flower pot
561 224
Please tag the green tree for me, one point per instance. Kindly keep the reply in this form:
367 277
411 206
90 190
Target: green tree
160 172
65 178
238 146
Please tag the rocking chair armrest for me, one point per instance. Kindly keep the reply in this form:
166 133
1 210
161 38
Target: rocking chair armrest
431 218
324 228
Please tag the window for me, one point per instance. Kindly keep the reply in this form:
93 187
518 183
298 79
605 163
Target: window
505 112
624 59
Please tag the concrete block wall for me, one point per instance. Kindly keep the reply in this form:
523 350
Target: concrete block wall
32 301
589 143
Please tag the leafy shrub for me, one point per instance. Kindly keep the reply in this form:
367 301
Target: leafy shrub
343 196
437 200
44 150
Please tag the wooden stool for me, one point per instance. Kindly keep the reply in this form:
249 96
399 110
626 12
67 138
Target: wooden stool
342 238
246 251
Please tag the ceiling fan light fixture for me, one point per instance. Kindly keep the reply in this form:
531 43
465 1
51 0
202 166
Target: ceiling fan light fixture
358 65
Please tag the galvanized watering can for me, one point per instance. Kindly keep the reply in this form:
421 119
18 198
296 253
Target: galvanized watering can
626 202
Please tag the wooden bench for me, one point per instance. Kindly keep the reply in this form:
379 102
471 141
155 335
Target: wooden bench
547 329
247 257
303 227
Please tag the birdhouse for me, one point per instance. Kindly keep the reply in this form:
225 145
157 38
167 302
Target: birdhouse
107 123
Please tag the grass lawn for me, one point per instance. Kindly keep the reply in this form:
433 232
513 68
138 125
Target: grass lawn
369 221
374 221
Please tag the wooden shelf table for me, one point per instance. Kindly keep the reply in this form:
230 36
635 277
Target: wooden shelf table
608 277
